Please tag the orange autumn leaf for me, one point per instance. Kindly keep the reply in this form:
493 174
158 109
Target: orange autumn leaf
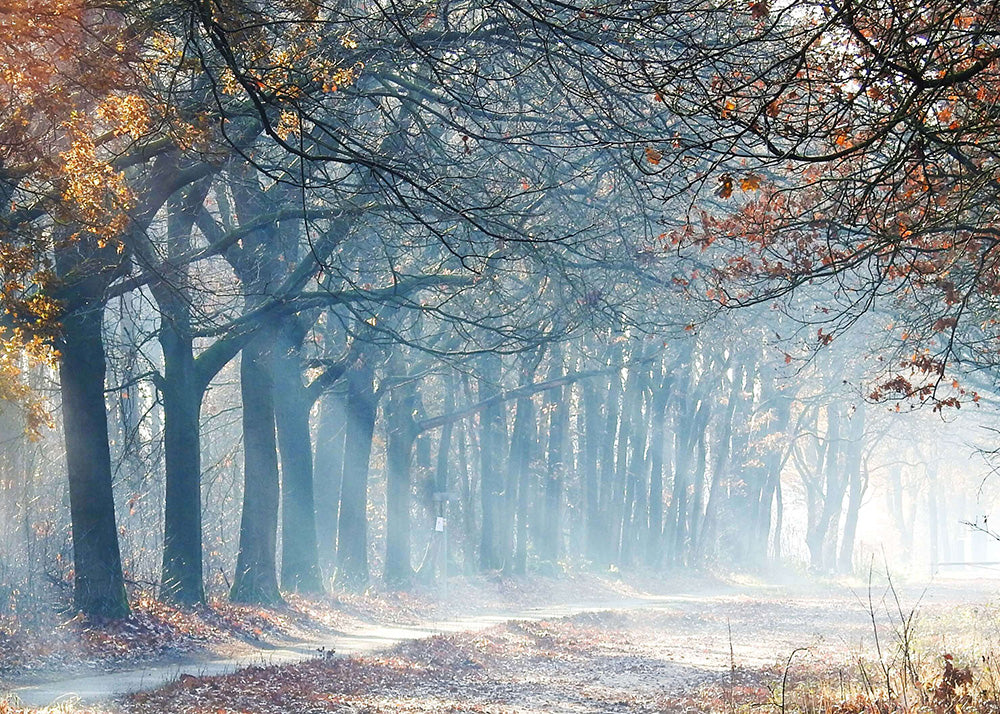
750 182
725 189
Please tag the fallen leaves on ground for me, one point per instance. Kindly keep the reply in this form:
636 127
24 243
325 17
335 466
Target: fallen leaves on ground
49 644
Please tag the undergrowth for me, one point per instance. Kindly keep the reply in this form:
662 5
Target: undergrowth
906 675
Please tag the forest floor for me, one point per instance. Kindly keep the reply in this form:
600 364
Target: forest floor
704 647
46 643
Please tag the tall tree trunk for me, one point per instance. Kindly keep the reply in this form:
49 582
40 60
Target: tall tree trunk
591 485
677 511
634 516
181 580
855 489
441 475
696 514
657 437
933 517
551 536
616 506
612 411
818 532
183 389
519 460
352 526
328 473
689 471
779 515
720 472
256 580
300 570
468 497
400 436
98 586
491 469
781 406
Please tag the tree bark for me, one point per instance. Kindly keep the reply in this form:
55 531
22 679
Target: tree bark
352 525
300 571
657 437
98 586
256 580
616 506
612 410
591 485
818 532
635 512
766 507
551 536
328 473
465 484
519 460
491 479
441 478
181 579
400 436
183 389
720 473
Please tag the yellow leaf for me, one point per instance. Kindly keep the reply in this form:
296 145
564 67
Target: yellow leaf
750 182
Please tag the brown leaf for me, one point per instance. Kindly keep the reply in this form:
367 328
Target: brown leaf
759 9
725 189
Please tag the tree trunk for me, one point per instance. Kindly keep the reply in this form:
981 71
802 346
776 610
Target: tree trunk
468 498
591 486
773 465
657 437
818 532
697 512
300 570
855 489
549 542
441 478
720 473
677 511
256 580
616 506
634 514
328 473
779 514
183 389
491 471
612 409
352 525
182 578
519 460
98 587
400 435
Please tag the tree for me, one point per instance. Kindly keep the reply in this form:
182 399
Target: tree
860 158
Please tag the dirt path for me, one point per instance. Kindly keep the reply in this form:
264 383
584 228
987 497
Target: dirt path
673 643
93 688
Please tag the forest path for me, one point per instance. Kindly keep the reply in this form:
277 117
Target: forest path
708 628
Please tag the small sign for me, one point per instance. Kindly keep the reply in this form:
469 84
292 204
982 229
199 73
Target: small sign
439 524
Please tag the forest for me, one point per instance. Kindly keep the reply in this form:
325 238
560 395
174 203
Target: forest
345 298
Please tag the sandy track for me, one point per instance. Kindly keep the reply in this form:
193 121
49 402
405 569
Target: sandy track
635 651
